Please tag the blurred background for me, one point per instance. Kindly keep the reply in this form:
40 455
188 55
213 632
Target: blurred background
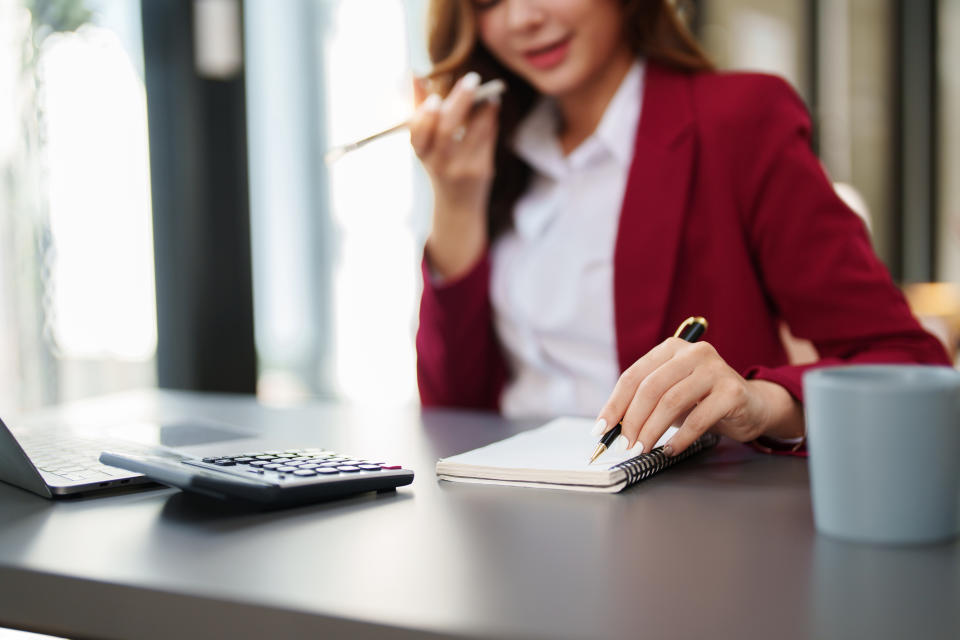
167 219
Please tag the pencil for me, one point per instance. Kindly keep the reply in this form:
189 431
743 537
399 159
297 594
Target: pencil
486 91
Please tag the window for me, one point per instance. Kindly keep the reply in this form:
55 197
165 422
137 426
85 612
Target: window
336 248
77 309
949 142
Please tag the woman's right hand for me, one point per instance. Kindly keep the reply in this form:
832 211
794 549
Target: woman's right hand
456 143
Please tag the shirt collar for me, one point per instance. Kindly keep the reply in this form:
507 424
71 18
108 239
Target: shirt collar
618 127
535 140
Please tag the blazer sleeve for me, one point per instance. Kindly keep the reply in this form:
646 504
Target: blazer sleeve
815 257
459 360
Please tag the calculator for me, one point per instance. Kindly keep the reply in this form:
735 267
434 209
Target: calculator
288 477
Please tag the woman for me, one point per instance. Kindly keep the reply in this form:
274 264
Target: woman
620 187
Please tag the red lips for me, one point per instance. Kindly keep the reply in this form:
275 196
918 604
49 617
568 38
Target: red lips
549 56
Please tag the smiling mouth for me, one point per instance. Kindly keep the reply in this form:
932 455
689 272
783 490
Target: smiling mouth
548 56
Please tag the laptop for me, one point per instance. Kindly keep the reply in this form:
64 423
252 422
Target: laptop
54 460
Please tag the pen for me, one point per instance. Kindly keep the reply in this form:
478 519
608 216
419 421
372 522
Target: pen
690 330
486 91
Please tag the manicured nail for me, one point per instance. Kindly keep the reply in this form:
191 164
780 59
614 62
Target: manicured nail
471 80
636 449
600 428
620 444
432 103
668 450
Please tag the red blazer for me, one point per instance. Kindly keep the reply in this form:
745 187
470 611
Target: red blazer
727 214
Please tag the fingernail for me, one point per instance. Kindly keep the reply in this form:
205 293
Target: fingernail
636 449
471 80
432 103
620 444
668 450
600 428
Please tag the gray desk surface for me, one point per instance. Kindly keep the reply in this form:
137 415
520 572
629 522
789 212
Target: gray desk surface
720 546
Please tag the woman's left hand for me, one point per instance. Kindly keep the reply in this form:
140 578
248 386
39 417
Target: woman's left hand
689 382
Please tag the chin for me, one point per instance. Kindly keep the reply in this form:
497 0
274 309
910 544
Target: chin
556 83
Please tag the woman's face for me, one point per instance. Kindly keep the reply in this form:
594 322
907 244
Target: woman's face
558 46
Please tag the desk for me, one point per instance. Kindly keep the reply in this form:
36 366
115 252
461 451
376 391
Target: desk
720 546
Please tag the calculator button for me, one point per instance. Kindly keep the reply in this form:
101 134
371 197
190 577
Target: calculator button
224 462
273 466
286 469
265 457
304 472
331 464
309 466
370 467
391 467
348 468
327 471
259 463
243 460
210 459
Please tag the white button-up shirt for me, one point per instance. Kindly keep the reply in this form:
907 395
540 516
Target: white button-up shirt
552 275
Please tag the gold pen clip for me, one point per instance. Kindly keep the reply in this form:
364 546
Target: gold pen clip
688 322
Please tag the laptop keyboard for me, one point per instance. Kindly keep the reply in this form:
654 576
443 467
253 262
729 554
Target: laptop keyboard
74 458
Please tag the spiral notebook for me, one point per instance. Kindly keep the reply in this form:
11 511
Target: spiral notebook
556 456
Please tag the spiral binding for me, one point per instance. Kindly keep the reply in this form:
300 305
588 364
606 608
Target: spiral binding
647 464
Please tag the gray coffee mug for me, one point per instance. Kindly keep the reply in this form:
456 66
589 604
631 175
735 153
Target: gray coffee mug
884 444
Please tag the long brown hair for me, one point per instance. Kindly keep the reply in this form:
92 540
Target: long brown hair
653 30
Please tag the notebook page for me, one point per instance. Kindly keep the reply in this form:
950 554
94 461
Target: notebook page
564 444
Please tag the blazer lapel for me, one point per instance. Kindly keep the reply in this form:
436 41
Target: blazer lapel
654 208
